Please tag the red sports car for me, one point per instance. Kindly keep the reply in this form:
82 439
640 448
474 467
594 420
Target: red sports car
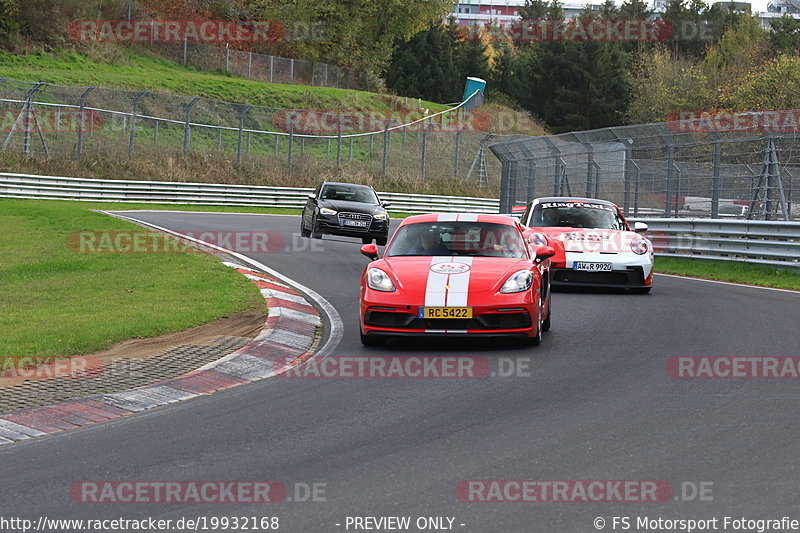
456 275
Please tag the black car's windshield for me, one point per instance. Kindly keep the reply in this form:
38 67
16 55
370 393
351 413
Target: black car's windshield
457 238
362 195
576 215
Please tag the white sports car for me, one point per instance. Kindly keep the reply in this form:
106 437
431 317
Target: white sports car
594 244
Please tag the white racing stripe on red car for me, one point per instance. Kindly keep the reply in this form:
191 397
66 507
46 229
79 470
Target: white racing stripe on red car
458 284
435 291
449 290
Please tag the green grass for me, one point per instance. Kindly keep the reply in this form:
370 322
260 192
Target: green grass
125 68
55 302
120 206
736 272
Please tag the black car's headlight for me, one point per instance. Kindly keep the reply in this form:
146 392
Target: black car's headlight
327 211
380 216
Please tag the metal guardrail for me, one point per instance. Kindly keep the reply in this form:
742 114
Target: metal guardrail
130 191
754 241
761 242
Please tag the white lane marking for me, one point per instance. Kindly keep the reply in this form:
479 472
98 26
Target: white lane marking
336 324
728 283
174 211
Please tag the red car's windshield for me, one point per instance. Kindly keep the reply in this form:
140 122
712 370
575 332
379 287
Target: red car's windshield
457 238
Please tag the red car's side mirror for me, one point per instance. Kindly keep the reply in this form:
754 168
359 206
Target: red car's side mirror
545 252
370 250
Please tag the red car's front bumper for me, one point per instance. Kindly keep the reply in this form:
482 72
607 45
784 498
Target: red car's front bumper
507 315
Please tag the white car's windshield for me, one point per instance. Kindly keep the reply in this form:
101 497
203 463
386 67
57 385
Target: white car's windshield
576 215
457 238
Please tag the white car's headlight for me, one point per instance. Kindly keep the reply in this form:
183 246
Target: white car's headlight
379 280
538 239
639 245
379 216
518 282
327 211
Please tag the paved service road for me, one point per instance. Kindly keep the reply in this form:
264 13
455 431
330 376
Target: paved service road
598 404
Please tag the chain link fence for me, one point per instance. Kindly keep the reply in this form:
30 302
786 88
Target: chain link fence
65 122
680 168
274 69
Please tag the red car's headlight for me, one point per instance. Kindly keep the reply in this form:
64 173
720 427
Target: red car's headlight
379 280
518 282
537 239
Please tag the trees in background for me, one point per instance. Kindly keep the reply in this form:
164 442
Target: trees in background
714 58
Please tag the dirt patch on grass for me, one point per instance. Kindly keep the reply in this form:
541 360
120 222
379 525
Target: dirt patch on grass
246 324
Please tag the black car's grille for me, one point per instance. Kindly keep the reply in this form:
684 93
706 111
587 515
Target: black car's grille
355 216
486 321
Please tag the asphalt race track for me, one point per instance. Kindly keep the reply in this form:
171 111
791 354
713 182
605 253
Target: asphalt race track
596 403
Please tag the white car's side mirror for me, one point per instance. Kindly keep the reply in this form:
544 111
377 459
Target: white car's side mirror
640 227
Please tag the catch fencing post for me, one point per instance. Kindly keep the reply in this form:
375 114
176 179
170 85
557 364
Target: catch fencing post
133 120
715 184
187 129
242 114
339 142
424 152
271 63
458 152
81 107
636 189
668 182
291 140
385 147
